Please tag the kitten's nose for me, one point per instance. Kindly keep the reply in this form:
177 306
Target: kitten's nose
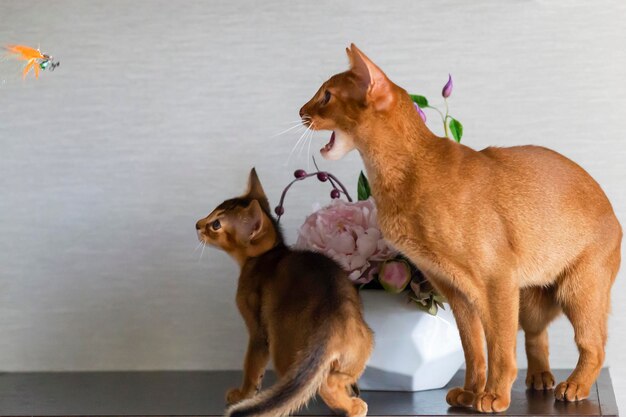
198 225
302 112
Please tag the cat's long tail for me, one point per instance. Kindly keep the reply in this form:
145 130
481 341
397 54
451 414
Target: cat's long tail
293 391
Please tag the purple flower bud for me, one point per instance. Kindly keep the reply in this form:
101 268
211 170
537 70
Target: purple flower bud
422 115
447 89
335 193
279 210
322 176
300 173
420 111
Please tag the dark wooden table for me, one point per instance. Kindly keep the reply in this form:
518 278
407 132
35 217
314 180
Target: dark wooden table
202 393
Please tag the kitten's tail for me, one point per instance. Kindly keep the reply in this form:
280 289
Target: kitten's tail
293 391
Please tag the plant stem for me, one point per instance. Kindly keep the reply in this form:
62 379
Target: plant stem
331 178
345 191
445 120
437 110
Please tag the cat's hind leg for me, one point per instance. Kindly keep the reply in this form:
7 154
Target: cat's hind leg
538 308
340 390
584 294
337 393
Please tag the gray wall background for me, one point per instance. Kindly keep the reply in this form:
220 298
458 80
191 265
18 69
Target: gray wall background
159 109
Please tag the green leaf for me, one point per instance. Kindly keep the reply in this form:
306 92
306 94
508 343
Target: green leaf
363 188
426 305
433 309
456 128
439 298
421 101
421 306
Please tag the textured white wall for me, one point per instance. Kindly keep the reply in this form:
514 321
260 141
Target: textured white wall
159 109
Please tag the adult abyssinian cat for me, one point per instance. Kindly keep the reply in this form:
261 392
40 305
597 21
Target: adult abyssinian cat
510 235
299 307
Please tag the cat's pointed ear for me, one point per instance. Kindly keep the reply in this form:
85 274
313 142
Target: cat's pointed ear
255 190
350 58
256 221
376 85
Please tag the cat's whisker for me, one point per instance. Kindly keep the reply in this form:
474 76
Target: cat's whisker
308 157
312 132
302 144
298 122
293 121
197 247
309 133
287 130
298 131
296 145
202 253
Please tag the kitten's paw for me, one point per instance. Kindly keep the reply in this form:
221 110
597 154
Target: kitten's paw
571 391
490 402
540 380
234 395
359 408
459 397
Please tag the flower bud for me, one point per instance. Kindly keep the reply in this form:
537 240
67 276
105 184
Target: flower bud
334 193
420 111
394 276
300 173
447 89
279 210
322 176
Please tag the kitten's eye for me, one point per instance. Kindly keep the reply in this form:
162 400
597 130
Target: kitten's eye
326 98
216 225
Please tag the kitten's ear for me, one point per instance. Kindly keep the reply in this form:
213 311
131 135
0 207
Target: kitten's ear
256 221
376 85
255 190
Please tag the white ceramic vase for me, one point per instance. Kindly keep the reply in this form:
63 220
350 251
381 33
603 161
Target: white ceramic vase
414 350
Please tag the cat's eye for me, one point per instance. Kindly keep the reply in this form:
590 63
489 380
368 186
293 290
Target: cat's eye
216 225
326 97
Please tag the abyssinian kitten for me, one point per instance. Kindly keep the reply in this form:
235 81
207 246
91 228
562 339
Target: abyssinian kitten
511 236
300 309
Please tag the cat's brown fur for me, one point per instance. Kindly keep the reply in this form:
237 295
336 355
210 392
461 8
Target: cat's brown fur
300 309
510 235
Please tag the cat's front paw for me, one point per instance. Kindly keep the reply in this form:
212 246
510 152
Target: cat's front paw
459 397
571 391
540 380
234 395
490 402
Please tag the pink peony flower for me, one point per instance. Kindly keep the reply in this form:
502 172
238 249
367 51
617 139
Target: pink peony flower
349 234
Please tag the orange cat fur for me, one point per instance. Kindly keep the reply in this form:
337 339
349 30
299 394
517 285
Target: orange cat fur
511 236
300 308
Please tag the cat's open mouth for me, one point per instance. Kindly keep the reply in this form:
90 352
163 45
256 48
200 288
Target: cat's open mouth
340 144
330 144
